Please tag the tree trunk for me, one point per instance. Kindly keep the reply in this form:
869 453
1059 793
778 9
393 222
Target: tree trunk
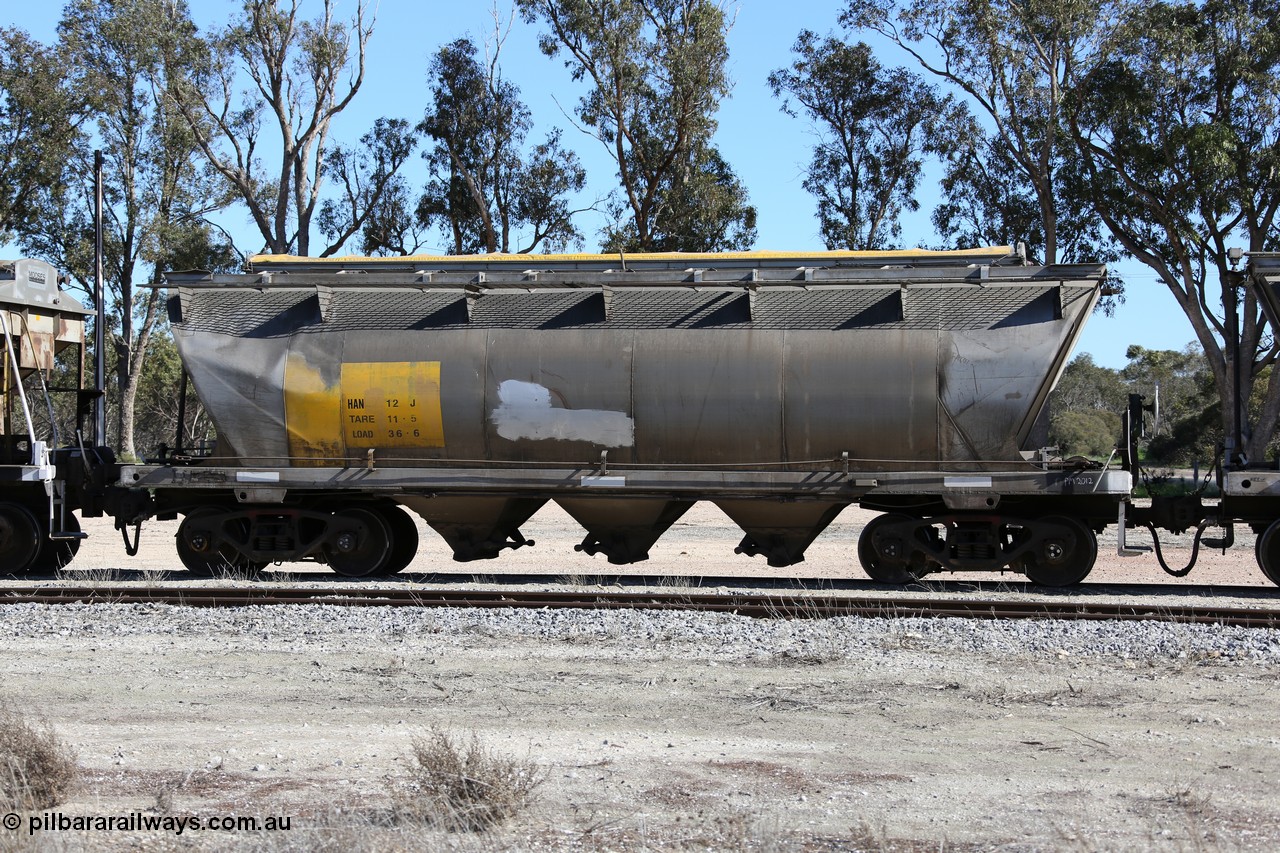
1265 428
128 394
130 360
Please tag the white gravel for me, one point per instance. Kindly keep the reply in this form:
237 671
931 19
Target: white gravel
701 636
662 729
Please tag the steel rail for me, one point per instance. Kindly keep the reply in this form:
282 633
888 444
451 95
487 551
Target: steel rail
939 584
773 605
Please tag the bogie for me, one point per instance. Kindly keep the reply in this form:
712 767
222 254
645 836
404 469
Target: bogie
356 541
203 545
885 550
1051 551
56 554
1062 552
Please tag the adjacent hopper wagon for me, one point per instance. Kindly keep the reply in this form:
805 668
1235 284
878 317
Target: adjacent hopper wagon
38 530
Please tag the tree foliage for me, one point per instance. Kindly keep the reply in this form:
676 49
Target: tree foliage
158 401
303 74
40 113
1177 118
655 71
129 55
1010 172
1086 386
1178 377
1085 433
1157 120
982 205
487 192
1085 409
372 192
1089 401
873 126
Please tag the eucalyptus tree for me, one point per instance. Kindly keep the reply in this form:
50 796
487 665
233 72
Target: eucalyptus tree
873 129
979 205
128 55
1085 408
489 191
390 226
302 74
1177 119
40 114
372 198
655 74
1012 167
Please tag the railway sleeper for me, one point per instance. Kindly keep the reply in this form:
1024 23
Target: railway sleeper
1052 551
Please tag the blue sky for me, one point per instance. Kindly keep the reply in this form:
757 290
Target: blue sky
768 149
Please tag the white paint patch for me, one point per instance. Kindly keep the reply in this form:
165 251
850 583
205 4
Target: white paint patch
257 476
525 412
598 481
966 482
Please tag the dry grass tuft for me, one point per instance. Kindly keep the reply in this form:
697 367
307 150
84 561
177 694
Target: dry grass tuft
465 786
37 769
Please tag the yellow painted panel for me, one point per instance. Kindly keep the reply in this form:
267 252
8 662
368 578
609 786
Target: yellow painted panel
392 404
311 411
373 404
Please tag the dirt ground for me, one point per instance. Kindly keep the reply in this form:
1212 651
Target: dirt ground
646 743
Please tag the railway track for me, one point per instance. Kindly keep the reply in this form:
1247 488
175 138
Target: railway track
777 605
933 585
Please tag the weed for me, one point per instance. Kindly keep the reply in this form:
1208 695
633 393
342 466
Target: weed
235 570
465 787
91 577
1192 802
37 769
678 581
164 797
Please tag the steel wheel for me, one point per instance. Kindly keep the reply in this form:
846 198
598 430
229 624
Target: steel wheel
19 538
1267 550
198 550
57 554
404 539
876 547
1065 556
364 551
